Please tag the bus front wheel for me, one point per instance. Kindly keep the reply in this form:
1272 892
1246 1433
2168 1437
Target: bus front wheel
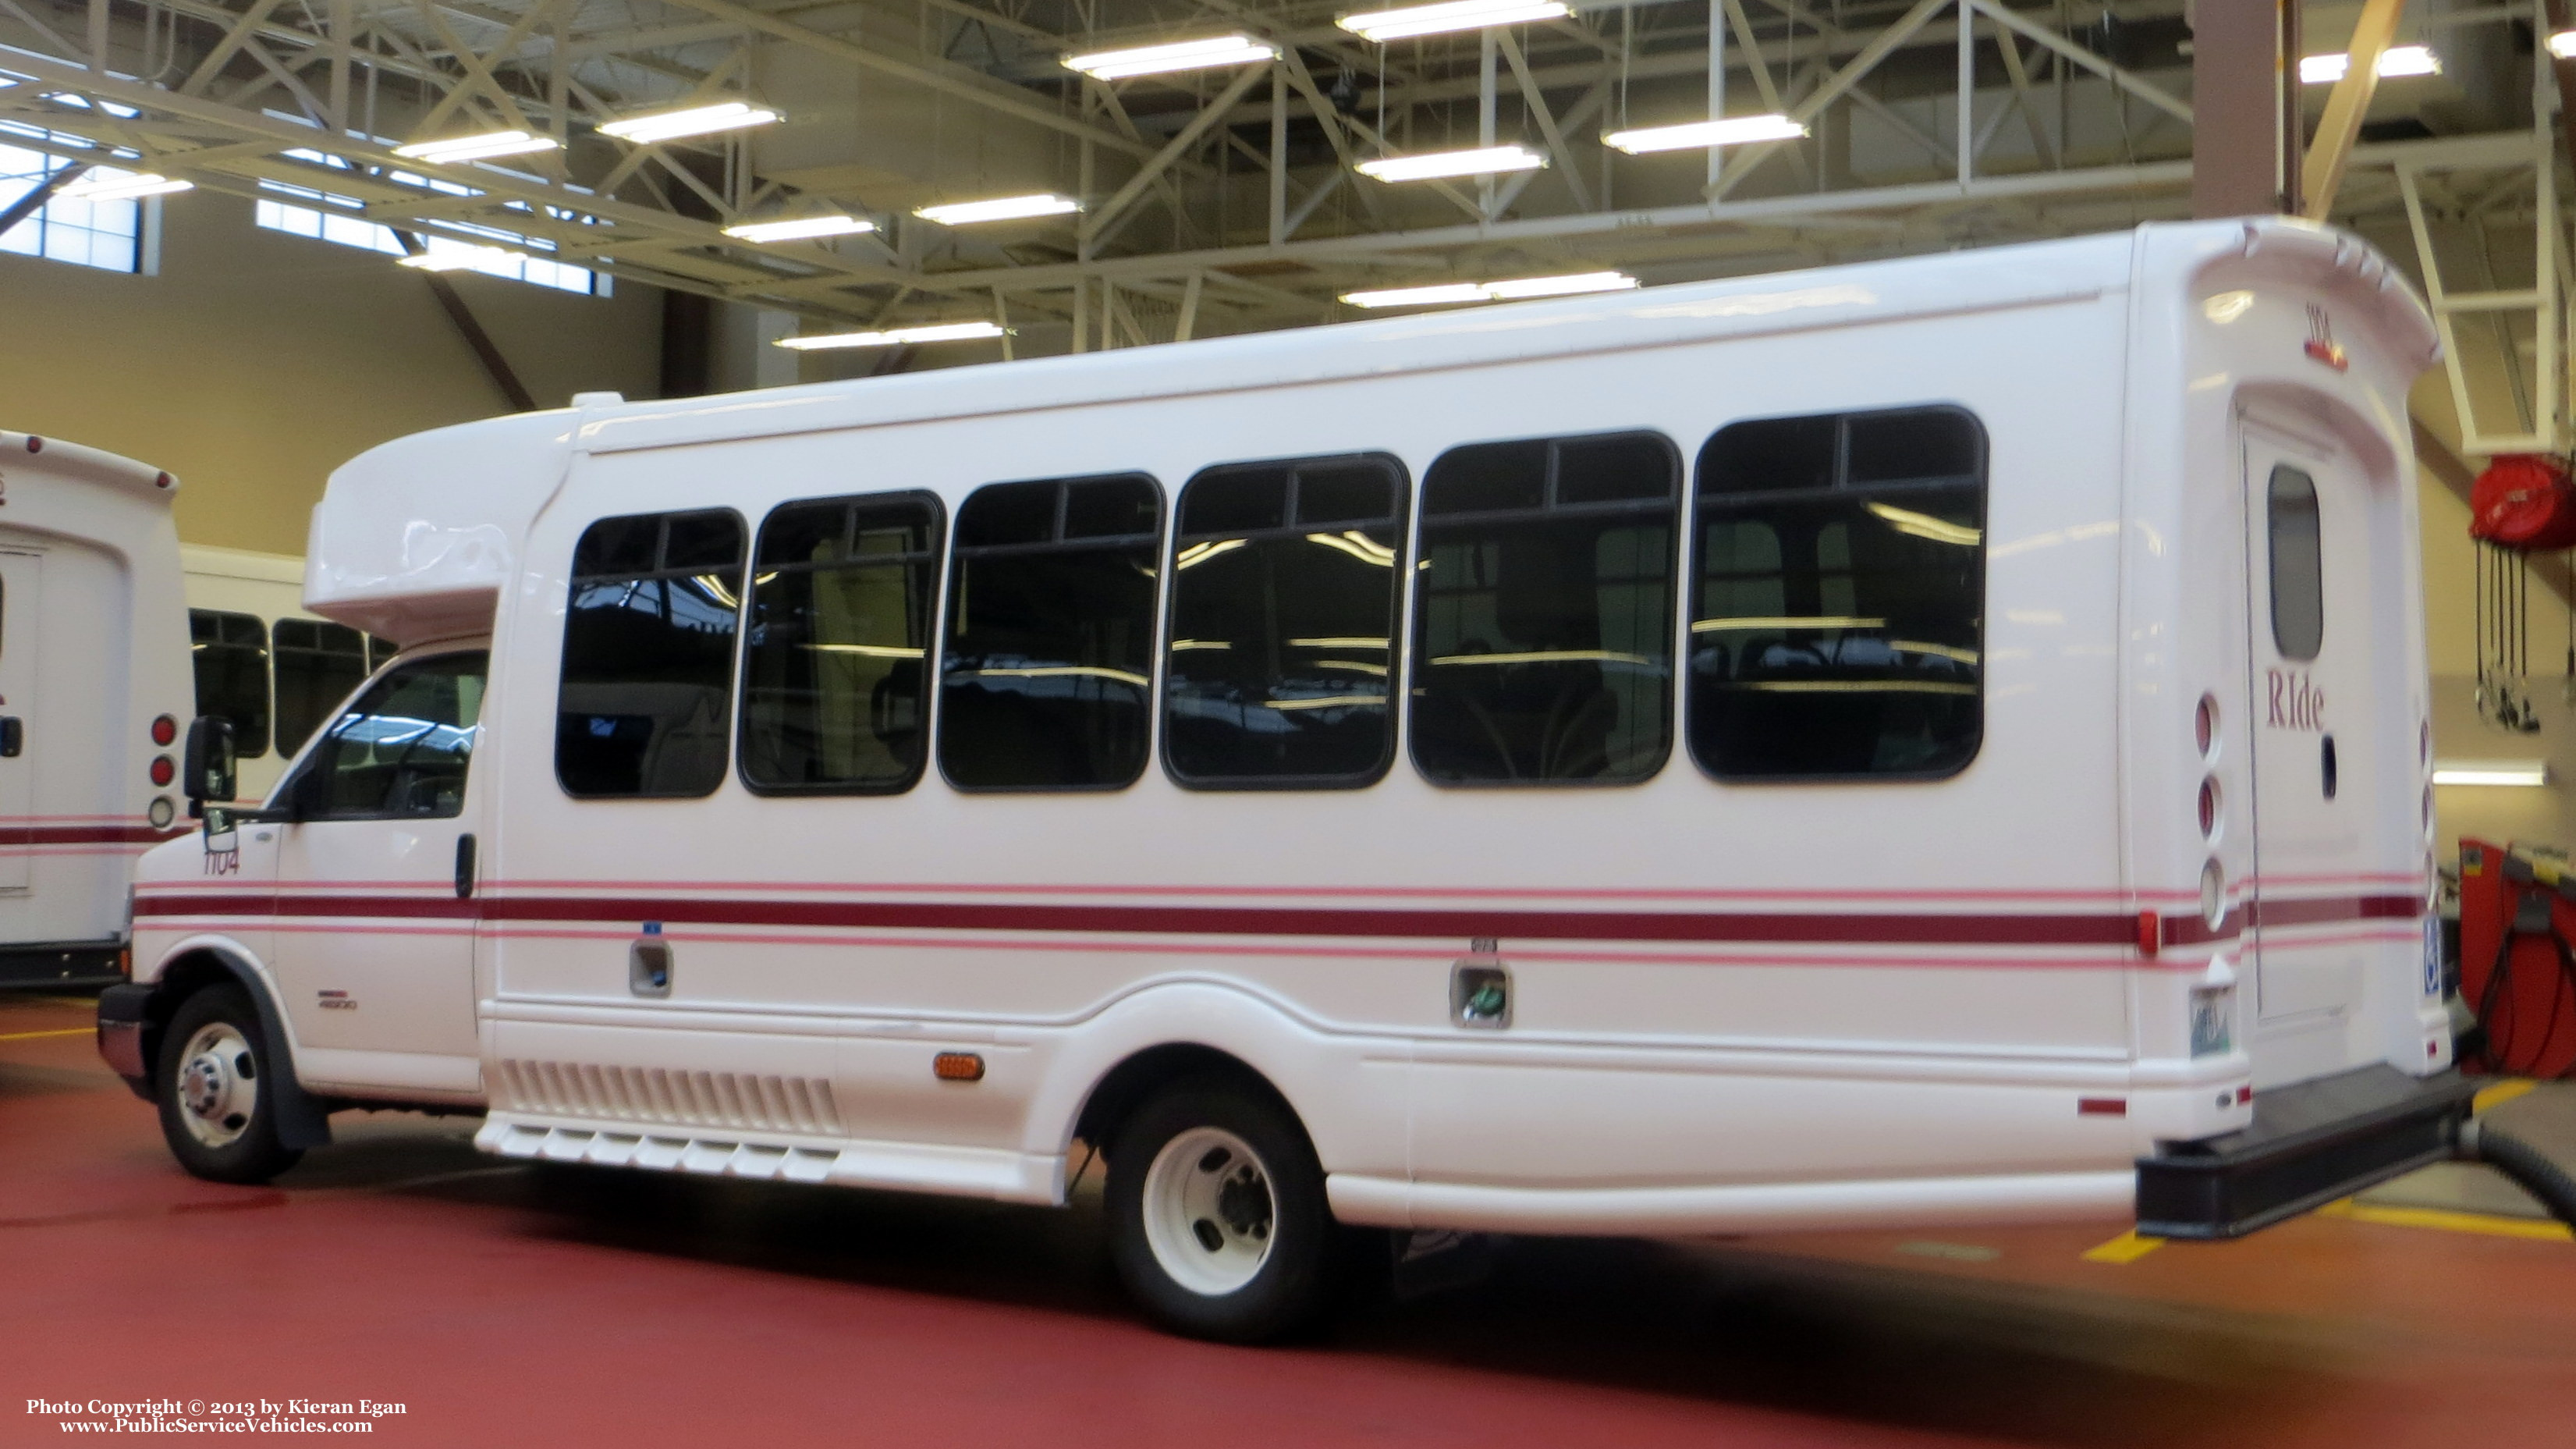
1217 1218
212 1085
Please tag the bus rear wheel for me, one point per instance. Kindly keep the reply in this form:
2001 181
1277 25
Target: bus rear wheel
217 1112
1217 1218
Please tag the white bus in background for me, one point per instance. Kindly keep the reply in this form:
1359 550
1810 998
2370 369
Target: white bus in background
1778 753
93 693
262 660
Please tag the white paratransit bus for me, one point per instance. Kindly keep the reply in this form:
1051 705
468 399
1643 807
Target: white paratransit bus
93 690
1934 741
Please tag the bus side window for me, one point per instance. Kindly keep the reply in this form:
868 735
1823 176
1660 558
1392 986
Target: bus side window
317 665
834 681
230 655
647 695
1543 620
1047 664
1283 622
1838 597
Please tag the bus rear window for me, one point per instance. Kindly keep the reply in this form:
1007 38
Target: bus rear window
646 701
1838 599
230 655
1044 675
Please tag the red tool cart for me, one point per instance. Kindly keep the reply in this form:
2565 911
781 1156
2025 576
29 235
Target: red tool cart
2517 969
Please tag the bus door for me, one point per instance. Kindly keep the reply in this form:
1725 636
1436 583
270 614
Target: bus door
378 954
22 740
2318 739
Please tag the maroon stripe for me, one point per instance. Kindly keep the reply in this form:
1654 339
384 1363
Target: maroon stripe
84 835
2275 912
1806 927
2026 930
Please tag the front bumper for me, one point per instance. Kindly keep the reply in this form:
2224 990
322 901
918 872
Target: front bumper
2310 1144
124 1013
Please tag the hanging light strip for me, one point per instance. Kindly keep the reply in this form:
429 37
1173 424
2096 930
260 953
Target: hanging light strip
1517 289
2529 774
2395 61
1382 26
897 337
110 185
1002 208
695 121
1702 135
458 257
801 228
456 149
1186 55
1434 165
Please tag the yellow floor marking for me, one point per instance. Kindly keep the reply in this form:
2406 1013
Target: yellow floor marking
32 1035
2129 1247
2444 1220
2499 1094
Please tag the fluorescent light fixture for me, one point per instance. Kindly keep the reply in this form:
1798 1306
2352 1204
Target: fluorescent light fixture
112 185
695 121
1212 54
2561 45
1433 165
1515 290
1526 287
897 337
1001 208
1701 135
799 229
2526 773
459 257
2396 60
1385 25
458 149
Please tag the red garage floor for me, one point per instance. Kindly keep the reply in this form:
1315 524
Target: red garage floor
507 1305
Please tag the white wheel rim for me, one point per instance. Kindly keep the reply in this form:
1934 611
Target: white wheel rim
218 1085
1209 1212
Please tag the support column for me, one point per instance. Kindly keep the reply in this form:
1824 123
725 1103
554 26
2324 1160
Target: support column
2245 108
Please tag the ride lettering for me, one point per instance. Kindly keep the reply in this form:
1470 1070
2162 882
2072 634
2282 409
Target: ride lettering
2297 704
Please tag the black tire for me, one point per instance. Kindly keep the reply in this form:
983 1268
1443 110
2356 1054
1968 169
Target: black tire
217 1116
1293 1281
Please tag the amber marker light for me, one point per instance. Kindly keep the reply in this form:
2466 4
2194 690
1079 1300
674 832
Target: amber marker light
957 1067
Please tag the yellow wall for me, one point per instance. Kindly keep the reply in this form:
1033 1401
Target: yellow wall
255 362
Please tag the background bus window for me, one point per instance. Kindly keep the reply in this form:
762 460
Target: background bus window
834 680
230 655
1046 669
1838 606
1544 623
316 665
647 692
401 750
1283 624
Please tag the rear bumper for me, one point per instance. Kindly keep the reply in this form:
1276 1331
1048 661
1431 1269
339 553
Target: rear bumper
2310 1144
58 965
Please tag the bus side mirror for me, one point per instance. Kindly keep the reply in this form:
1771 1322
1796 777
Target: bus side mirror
210 771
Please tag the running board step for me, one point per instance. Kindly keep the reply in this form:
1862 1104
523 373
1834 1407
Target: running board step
2310 1144
915 1167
